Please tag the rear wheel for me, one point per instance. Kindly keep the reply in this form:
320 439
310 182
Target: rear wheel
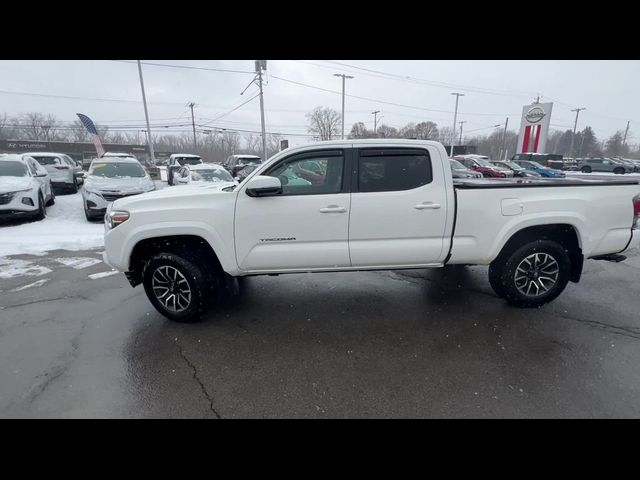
178 287
74 187
586 170
532 275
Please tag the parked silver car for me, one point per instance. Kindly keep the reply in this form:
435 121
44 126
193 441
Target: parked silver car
65 173
458 170
110 178
25 188
588 165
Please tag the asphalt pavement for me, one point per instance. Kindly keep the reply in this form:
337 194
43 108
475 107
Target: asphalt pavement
77 341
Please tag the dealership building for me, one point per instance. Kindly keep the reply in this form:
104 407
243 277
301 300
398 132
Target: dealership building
78 151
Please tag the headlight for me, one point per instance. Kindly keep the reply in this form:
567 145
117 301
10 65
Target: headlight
116 217
92 192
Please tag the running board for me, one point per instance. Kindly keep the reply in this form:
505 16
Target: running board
613 257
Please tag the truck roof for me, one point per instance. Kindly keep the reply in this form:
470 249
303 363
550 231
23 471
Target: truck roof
470 183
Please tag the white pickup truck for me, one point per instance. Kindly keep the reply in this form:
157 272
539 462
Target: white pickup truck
367 205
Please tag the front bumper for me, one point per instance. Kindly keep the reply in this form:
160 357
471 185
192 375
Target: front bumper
11 204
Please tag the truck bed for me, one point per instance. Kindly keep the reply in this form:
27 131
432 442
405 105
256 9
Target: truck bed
474 183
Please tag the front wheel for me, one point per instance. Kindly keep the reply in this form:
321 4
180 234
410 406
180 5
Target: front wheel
618 171
52 199
42 212
177 287
532 275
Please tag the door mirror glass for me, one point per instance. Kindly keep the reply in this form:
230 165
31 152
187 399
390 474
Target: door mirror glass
264 186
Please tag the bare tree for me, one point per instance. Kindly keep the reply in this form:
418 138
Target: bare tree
324 122
359 130
385 131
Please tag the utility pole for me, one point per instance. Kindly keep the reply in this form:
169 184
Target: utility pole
146 115
260 64
625 135
504 139
575 125
375 122
455 120
461 123
193 124
344 77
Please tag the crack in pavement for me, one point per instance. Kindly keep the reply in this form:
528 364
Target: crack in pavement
56 371
195 377
32 302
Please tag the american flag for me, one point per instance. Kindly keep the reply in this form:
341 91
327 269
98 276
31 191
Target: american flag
91 128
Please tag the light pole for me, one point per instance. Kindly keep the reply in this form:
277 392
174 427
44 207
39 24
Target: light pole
461 123
146 116
455 119
575 125
504 139
193 124
375 122
344 77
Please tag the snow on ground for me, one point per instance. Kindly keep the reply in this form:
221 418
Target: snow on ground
14 267
37 283
78 262
65 227
95 276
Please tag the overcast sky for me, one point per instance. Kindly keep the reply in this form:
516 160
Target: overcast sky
493 90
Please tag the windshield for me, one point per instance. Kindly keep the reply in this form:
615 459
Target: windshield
12 169
189 160
536 165
117 170
514 165
247 161
47 160
211 176
456 165
484 163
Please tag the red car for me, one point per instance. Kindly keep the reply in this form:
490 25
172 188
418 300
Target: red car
486 168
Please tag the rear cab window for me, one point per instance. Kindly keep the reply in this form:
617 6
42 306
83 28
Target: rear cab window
393 169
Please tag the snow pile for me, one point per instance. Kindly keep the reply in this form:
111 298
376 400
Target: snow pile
78 262
65 227
14 267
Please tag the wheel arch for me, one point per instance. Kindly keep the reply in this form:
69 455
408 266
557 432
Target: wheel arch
566 234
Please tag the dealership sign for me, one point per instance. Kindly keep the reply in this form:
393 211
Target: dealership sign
534 128
25 145
535 115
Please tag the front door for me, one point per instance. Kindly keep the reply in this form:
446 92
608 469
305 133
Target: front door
305 227
399 208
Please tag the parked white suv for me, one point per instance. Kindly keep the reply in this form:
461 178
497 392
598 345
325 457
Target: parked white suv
25 188
367 205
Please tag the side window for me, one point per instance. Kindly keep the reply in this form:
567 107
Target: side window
32 167
311 174
393 170
606 162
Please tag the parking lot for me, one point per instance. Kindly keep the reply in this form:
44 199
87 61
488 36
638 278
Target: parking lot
77 341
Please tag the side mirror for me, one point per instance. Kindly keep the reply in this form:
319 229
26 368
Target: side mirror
264 186
237 179
40 175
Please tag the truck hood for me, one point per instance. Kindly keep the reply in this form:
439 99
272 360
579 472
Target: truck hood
14 184
122 184
173 194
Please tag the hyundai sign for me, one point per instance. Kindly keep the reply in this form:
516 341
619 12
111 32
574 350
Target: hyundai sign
534 128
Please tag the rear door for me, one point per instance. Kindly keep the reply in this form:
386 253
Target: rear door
399 206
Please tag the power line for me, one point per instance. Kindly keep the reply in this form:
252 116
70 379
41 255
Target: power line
184 66
383 101
234 109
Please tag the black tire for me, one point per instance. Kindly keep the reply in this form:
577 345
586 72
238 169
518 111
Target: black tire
586 170
42 212
52 200
200 282
618 171
90 217
502 274
74 187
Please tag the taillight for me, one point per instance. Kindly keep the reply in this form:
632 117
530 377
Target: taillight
636 213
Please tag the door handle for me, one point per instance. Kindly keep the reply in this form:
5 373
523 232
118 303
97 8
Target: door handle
427 206
333 209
